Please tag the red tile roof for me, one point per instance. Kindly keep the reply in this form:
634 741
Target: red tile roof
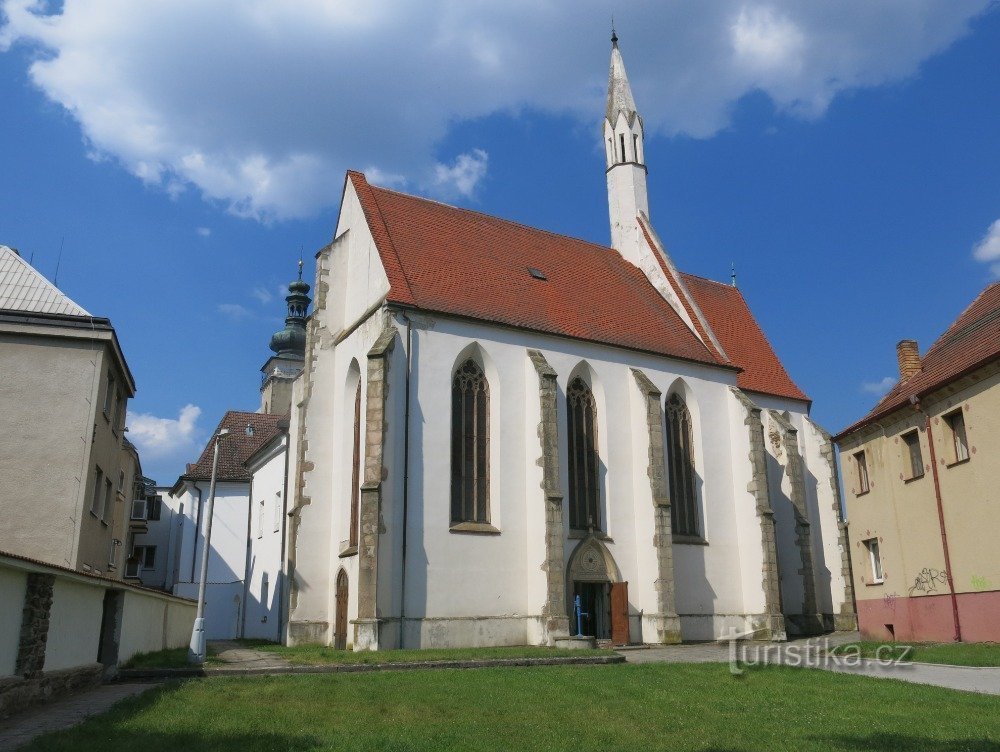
238 446
449 260
741 337
971 342
685 301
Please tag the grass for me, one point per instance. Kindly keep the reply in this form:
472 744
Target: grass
170 658
956 654
321 654
313 655
571 708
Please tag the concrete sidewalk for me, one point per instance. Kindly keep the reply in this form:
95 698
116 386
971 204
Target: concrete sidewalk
962 678
66 713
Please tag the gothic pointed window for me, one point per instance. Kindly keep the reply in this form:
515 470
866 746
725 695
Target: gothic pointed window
680 468
356 468
470 445
584 472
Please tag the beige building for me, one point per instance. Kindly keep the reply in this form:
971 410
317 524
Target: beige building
64 474
921 474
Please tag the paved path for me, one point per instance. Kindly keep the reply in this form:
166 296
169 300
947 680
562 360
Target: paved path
237 655
718 652
964 678
62 714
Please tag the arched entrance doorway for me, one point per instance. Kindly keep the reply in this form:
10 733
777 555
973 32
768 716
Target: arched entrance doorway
340 612
593 576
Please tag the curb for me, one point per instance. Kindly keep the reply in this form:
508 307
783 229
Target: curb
354 668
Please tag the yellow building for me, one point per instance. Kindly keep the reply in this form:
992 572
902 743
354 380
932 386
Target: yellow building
64 476
922 476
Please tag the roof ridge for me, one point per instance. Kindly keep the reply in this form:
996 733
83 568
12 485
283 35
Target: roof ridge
953 328
57 297
708 279
385 227
493 216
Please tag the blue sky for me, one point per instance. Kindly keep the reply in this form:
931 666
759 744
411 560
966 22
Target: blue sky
844 157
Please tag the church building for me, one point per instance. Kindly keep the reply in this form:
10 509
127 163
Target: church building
495 423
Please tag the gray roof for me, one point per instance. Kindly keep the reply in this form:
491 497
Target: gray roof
619 92
23 288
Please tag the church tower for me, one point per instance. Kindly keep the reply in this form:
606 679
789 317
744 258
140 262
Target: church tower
626 162
289 346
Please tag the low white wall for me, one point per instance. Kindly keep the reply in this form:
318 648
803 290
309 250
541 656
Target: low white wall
74 624
12 586
151 622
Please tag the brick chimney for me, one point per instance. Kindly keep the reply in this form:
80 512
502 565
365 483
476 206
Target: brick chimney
908 355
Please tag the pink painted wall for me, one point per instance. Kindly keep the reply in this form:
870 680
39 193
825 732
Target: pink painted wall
929 618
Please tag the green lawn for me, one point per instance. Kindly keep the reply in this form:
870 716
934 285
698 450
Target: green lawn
571 708
956 654
170 658
321 654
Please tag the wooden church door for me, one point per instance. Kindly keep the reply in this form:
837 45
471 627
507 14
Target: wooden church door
619 613
340 623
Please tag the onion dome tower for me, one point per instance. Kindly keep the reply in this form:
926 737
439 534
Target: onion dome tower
289 347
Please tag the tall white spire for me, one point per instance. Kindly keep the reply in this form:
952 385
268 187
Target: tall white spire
625 155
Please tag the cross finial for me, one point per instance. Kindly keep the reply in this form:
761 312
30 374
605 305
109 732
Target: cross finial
300 263
614 36
732 275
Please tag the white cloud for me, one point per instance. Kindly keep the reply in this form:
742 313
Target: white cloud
164 437
261 106
988 249
262 294
463 175
234 311
879 387
204 231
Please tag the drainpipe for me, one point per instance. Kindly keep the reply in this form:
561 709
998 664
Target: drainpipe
246 561
940 511
283 572
406 478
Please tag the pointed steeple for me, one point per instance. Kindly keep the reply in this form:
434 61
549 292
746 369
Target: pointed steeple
625 155
619 92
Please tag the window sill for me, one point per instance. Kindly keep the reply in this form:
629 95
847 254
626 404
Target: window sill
575 534
875 583
104 522
349 551
480 528
915 477
93 514
958 462
690 540
862 493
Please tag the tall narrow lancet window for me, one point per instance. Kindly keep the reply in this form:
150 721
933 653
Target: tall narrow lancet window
584 473
470 444
680 467
356 468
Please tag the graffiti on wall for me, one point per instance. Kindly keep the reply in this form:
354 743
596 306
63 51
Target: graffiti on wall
980 583
928 581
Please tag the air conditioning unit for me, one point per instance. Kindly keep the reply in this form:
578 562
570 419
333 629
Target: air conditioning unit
139 509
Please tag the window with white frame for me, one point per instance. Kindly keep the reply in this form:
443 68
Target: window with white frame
277 512
95 502
959 441
875 560
913 459
109 394
260 519
109 500
862 464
